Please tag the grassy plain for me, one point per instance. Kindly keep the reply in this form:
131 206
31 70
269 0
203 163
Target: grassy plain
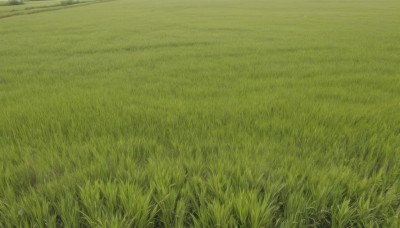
276 113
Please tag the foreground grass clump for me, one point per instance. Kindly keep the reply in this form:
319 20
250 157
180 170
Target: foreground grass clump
201 113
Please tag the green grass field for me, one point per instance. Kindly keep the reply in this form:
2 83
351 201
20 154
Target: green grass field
204 113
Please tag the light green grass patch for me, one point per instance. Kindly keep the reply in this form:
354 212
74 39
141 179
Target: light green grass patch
201 113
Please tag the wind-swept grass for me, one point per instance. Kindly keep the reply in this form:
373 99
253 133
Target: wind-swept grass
201 113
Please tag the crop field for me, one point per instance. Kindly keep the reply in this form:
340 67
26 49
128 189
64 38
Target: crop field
201 113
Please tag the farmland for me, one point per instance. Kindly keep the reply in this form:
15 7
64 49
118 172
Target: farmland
223 113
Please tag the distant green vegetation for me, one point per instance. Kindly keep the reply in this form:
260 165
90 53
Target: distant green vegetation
208 113
15 2
18 7
69 2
